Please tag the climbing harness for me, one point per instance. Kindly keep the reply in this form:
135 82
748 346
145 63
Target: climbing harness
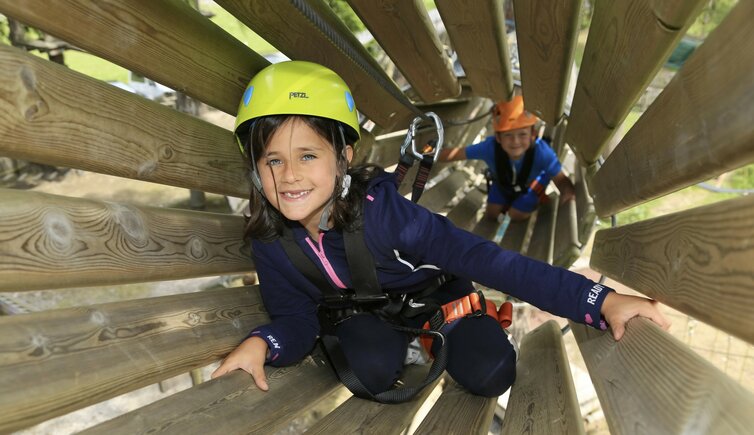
427 157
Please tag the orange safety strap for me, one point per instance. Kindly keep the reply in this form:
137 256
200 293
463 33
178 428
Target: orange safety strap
470 306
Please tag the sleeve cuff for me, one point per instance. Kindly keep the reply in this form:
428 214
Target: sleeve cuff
593 299
273 344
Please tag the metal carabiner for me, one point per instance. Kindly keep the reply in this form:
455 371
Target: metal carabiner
411 137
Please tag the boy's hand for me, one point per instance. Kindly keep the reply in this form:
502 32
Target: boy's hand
249 356
619 309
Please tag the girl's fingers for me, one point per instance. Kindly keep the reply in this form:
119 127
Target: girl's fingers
260 379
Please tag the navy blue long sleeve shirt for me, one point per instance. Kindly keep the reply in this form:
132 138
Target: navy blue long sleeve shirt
410 245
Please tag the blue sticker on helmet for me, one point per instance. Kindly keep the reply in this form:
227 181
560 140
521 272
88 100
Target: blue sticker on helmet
247 95
349 101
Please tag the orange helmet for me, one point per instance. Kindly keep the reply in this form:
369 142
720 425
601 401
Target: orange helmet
510 115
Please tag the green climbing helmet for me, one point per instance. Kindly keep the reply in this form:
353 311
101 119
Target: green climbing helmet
298 88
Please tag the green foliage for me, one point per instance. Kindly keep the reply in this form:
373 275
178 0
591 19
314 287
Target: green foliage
4 31
346 15
95 67
712 14
741 178
230 24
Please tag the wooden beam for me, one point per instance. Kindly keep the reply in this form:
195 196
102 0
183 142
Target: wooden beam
357 415
628 43
546 36
477 32
700 126
441 193
697 261
566 248
543 398
514 236
542 240
458 412
51 241
58 361
311 31
405 31
584 206
465 214
650 381
167 41
56 116
232 401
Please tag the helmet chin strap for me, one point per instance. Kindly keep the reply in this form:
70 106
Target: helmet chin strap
346 184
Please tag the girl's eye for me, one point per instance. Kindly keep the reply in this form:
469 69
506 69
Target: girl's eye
308 157
274 162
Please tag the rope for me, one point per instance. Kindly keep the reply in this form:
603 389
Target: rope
308 12
716 189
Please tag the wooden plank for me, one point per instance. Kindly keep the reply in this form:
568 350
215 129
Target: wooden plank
441 193
167 41
543 398
230 402
697 261
458 412
465 214
62 360
651 382
51 241
311 31
486 228
393 23
546 35
361 416
700 126
514 236
566 248
541 240
477 32
585 212
56 116
628 43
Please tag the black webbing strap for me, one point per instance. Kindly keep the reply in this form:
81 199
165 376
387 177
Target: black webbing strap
305 265
422 175
367 288
361 265
398 395
505 173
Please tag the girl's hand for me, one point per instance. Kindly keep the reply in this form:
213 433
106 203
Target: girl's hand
249 356
619 309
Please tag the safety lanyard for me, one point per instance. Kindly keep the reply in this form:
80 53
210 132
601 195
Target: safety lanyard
427 157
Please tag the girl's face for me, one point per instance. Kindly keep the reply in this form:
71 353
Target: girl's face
515 142
298 170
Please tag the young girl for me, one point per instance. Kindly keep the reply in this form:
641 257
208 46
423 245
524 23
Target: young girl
297 126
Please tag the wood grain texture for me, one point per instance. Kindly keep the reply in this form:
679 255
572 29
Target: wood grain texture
477 32
585 213
649 382
700 126
466 213
566 248
405 31
283 24
458 412
541 240
697 261
361 416
543 398
546 36
513 239
62 360
167 41
50 114
628 43
232 403
49 241
437 197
